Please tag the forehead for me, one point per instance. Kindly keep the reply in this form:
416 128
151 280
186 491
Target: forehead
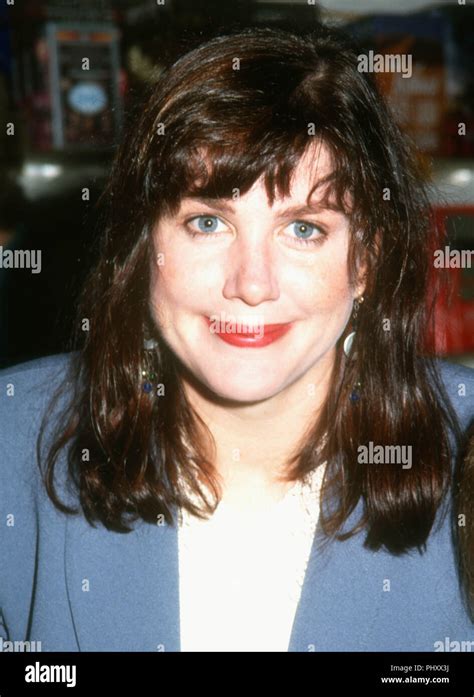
309 185
309 182
309 178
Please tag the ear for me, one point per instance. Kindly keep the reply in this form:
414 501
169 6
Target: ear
363 269
361 283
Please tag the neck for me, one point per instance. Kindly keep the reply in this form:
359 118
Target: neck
255 440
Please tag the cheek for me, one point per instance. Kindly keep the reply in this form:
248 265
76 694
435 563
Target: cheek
178 284
166 296
322 290
163 286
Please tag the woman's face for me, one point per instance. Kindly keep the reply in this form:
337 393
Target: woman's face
250 265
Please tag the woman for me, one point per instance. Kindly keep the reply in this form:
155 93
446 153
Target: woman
241 454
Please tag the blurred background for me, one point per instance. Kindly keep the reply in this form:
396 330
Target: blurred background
61 119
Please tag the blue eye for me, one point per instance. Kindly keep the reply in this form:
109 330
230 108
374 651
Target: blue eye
205 223
305 230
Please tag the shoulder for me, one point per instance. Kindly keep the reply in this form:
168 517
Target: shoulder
37 369
32 530
26 393
458 382
26 387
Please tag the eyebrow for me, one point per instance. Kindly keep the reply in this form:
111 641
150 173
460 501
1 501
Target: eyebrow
220 204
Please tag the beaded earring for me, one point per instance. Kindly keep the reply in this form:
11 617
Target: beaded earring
148 374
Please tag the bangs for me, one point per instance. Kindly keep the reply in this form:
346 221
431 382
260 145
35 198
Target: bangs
229 170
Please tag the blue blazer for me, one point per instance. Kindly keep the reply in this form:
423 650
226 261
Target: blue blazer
79 588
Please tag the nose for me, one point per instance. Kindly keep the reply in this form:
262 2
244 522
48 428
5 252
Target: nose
251 270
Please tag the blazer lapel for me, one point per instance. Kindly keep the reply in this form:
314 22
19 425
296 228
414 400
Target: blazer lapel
123 590
340 595
123 587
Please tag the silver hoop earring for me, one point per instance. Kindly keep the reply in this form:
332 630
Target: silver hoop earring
349 340
355 394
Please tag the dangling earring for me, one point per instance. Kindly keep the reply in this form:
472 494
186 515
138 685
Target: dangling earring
348 341
148 374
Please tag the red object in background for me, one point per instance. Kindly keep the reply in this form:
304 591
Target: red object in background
454 306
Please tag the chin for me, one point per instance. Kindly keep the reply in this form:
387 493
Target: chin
239 391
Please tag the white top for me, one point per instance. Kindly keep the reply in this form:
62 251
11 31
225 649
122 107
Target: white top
240 575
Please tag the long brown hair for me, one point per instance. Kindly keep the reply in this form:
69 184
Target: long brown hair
252 102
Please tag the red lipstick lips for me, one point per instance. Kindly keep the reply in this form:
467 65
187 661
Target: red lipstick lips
257 339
